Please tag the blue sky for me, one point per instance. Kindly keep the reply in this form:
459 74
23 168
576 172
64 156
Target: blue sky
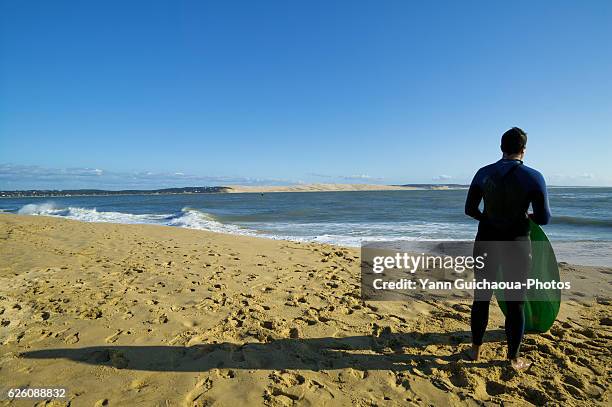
174 93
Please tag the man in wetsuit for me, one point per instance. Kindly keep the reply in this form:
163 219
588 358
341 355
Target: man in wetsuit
507 188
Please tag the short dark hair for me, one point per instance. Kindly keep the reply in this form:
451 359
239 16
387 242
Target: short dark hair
513 141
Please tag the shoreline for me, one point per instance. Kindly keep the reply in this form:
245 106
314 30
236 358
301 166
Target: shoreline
252 234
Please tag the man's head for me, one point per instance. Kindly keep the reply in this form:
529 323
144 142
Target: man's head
513 143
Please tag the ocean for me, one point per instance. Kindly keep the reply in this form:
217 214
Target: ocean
342 218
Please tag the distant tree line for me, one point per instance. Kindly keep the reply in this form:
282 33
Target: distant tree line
81 192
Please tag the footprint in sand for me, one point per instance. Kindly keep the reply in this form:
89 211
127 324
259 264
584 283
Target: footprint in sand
535 396
72 339
494 388
226 374
280 397
197 396
138 384
605 321
113 338
90 313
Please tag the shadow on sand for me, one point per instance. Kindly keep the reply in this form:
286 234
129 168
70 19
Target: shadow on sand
398 352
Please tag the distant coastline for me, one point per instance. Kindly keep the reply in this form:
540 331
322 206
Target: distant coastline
321 188
241 189
47 193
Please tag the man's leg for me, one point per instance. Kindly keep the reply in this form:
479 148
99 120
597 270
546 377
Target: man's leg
482 298
516 266
480 319
515 327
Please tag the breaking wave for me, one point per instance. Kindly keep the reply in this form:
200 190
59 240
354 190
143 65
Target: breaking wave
190 218
187 218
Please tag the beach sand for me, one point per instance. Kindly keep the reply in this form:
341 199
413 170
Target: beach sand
316 188
159 316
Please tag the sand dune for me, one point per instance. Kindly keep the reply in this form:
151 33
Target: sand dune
151 315
316 188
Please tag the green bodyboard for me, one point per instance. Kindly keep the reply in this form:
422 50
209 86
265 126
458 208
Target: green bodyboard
541 308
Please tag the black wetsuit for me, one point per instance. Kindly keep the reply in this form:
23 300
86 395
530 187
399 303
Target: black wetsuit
508 188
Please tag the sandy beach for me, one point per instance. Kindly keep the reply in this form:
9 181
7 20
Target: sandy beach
146 315
315 188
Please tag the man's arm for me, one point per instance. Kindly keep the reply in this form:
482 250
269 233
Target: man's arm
539 202
473 199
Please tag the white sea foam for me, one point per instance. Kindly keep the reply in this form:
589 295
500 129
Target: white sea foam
187 218
46 208
342 234
354 233
195 219
88 215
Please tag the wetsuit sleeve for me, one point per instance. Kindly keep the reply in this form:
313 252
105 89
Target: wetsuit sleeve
473 199
539 202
